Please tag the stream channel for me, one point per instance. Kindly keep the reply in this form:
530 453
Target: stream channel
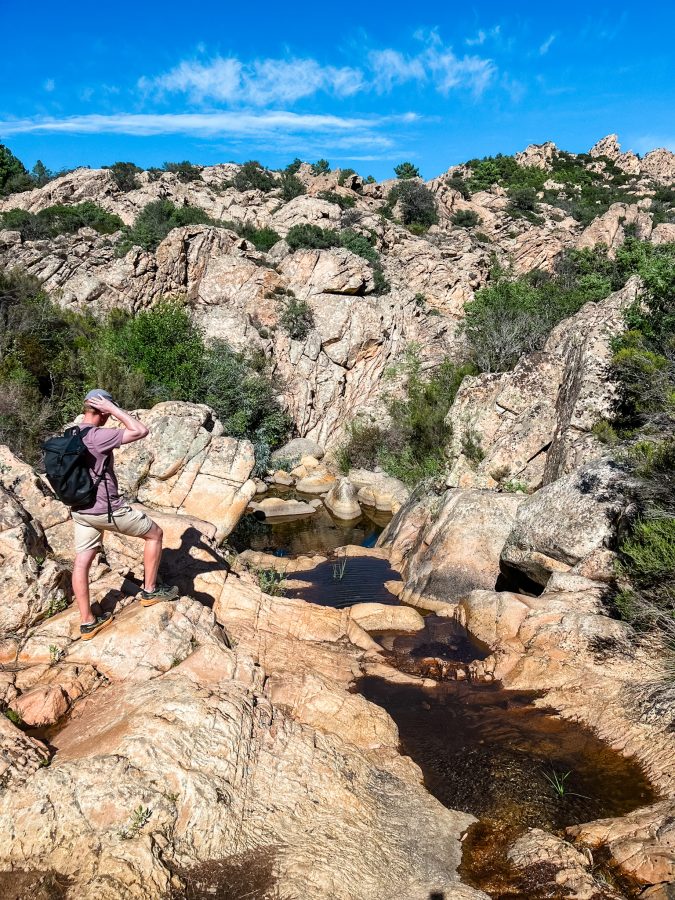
482 749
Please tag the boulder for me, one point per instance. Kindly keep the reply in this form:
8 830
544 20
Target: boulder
294 451
554 865
319 482
386 617
641 844
566 521
455 548
379 490
31 585
341 500
335 271
273 507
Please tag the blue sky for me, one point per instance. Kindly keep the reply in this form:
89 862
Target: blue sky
363 84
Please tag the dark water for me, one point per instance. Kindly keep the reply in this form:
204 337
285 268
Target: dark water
316 533
343 581
440 650
492 753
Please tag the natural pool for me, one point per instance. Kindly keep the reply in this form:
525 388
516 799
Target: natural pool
482 749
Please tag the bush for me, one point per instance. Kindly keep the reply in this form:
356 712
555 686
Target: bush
294 167
156 220
297 318
185 171
291 186
360 245
243 396
252 176
321 167
406 170
412 448
163 344
457 183
505 171
55 220
466 218
125 175
523 199
311 237
263 238
418 205
344 201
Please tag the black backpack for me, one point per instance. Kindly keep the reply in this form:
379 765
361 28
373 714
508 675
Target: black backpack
67 468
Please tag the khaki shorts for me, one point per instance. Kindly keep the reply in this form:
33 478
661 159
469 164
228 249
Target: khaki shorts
89 528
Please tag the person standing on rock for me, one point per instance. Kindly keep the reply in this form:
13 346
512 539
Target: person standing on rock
110 511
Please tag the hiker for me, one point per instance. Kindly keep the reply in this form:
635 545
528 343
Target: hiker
109 511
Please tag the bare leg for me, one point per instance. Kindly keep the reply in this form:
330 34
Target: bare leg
152 553
81 568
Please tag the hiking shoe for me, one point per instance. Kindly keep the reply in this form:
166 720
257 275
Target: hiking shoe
161 592
90 629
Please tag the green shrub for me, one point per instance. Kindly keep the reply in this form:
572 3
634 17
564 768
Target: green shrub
156 220
55 220
164 345
185 171
297 318
505 171
321 167
311 237
291 186
457 183
406 170
263 238
344 201
466 218
125 175
472 446
239 389
523 198
50 357
418 205
252 176
362 446
412 448
294 167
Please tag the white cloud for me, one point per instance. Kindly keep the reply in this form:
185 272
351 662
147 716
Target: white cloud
219 79
483 36
344 131
49 85
546 46
391 68
436 64
268 82
260 83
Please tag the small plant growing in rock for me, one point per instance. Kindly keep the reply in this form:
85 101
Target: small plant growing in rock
420 300
56 654
297 318
140 817
472 447
56 605
271 582
344 201
513 486
605 433
14 717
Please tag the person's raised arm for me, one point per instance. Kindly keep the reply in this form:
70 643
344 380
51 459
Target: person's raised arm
134 430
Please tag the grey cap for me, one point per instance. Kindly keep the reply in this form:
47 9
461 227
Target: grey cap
99 394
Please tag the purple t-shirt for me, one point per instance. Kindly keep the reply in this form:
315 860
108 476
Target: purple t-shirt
100 442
